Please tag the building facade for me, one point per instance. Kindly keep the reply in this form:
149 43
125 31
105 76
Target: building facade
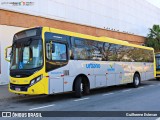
127 20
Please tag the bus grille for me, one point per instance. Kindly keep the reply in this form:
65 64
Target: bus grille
158 75
19 87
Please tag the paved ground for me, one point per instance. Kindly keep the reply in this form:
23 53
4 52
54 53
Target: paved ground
116 98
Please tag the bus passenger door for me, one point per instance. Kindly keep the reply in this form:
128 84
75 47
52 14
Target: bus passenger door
56 62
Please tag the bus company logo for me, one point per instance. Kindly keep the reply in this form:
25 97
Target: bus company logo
56 73
21 3
111 65
93 65
111 69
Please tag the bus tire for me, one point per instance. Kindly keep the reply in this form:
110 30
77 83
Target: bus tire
81 87
86 89
136 80
78 88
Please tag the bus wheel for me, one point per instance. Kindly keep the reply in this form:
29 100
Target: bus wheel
86 89
136 80
78 87
81 87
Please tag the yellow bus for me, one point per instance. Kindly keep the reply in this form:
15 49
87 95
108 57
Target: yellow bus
157 56
46 60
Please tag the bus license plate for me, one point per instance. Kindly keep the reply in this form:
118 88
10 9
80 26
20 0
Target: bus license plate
17 89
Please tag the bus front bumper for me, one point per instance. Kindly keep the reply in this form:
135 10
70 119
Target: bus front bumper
36 89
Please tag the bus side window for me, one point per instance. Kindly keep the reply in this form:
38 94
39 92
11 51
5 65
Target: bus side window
60 52
79 49
96 50
72 48
48 50
109 54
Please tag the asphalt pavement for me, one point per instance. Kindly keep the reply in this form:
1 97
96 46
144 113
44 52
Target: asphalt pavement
115 98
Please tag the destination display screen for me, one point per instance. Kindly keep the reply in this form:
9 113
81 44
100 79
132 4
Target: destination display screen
26 33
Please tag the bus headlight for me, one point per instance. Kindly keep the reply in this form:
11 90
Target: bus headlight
35 80
32 82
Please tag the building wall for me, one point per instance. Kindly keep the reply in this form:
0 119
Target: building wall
132 16
6 37
24 20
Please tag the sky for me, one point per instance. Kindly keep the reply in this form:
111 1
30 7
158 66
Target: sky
155 2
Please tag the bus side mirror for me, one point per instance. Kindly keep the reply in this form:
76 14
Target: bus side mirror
7 53
53 48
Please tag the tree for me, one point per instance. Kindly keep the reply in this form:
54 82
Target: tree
153 38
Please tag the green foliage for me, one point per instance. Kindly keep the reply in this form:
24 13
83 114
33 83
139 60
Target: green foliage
153 38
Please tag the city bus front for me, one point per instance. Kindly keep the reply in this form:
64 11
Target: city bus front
27 68
157 65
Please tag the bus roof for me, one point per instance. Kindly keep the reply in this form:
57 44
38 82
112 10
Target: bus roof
102 38
112 39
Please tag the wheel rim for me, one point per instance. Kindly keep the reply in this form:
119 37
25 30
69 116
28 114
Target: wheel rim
81 87
137 80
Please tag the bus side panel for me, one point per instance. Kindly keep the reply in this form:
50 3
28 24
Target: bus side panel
119 70
100 73
68 83
149 68
62 79
56 79
111 73
107 74
111 79
56 85
92 81
138 67
143 75
78 67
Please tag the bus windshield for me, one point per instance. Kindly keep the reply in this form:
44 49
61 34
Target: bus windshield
26 54
158 63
